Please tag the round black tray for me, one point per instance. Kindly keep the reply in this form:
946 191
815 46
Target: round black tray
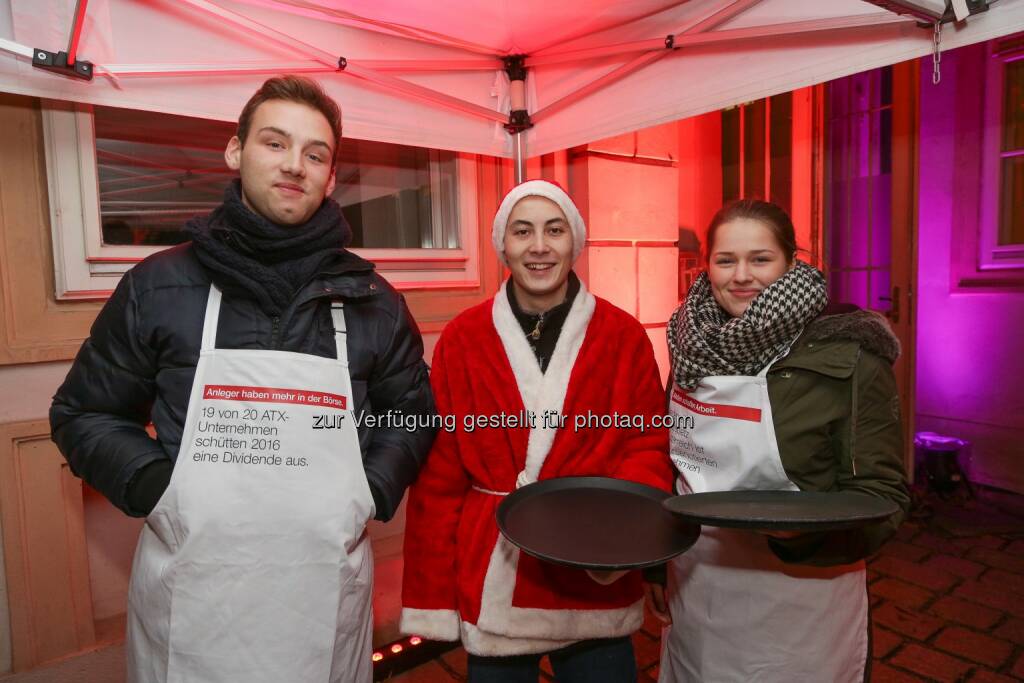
594 523
781 510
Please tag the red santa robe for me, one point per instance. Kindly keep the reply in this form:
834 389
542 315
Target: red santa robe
462 579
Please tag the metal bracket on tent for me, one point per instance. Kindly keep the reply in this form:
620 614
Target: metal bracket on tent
342 63
515 67
57 62
670 42
67 63
926 12
959 10
518 121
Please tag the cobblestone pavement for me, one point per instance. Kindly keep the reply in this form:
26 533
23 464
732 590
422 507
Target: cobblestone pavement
947 598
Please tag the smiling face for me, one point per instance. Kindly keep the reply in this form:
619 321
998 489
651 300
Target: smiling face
538 248
286 162
745 259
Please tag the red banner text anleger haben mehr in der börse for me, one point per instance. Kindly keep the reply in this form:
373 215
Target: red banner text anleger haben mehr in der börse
226 392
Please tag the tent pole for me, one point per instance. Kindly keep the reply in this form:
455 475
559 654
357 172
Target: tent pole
15 48
76 31
518 117
519 156
308 66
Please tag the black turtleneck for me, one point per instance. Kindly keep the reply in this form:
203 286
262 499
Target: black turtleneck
542 329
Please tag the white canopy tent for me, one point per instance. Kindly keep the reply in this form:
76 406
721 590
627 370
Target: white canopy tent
435 74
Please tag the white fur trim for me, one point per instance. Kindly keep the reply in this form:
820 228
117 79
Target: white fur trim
548 190
542 391
434 624
499 616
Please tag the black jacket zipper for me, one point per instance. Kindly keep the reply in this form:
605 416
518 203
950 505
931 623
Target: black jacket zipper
275 331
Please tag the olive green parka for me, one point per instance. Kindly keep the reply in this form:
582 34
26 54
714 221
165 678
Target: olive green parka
837 422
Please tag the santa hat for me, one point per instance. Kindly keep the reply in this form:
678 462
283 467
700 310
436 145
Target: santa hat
548 190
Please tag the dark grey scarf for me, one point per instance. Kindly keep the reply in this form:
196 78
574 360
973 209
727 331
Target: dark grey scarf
252 257
705 340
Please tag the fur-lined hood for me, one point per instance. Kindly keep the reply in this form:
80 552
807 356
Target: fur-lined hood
870 330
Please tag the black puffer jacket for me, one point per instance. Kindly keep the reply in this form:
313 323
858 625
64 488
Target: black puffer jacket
139 362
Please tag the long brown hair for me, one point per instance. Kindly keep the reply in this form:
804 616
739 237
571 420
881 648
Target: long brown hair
772 215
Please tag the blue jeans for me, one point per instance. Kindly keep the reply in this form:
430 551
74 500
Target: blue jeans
589 661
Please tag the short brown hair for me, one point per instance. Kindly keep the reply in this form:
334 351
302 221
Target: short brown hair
293 89
772 215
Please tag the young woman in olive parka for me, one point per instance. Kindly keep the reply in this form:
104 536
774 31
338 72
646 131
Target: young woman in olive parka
775 390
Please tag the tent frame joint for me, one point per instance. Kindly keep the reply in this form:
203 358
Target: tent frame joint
342 63
515 67
670 41
927 18
973 7
57 62
518 121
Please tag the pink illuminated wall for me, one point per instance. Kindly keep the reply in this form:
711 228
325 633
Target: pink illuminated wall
970 341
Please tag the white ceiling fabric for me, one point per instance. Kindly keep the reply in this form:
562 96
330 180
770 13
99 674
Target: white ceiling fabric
466 38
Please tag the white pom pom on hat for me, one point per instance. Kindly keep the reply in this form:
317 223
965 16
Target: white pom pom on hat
548 190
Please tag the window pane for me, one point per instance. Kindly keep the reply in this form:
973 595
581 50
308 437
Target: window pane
885 88
863 91
730 154
881 217
885 141
837 286
859 231
881 286
1011 202
838 145
860 192
836 244
157 170
862 150
753 150
781 144
1013 107
397 197
857 289
837 95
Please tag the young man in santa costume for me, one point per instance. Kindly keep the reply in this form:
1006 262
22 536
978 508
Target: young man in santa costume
543 343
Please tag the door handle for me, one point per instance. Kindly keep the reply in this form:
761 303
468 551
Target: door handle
893 313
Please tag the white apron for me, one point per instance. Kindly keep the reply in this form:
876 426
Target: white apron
254 566
738 612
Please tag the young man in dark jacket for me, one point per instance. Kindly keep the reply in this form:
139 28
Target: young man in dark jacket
252 349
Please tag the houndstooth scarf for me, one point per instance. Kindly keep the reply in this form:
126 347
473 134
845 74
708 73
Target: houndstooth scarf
705 340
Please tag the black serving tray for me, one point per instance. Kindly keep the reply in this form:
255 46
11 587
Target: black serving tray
803 511
594 523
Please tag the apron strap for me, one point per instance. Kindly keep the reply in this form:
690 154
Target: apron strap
338 317
210 322
213 316
785 352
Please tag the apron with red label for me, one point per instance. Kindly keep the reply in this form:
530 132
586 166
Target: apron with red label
738 612
254 566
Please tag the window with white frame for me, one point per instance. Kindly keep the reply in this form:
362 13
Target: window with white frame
123 183
1001 238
